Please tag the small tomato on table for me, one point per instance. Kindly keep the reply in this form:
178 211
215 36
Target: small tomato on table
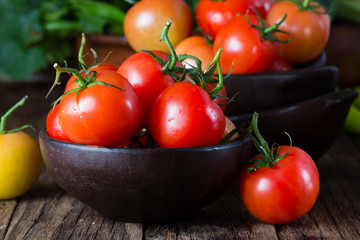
278 185
20 159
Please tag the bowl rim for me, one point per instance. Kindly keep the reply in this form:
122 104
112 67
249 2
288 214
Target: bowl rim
43 135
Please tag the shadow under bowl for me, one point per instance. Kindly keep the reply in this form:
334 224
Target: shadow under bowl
260 91
313 124
150 185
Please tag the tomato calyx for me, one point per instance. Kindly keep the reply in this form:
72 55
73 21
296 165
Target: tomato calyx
270 156
267 33
4 118
306 6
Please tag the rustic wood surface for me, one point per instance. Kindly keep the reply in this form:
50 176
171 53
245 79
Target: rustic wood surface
47 212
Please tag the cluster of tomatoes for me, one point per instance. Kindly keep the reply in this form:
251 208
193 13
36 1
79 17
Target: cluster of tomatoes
255 35
149 96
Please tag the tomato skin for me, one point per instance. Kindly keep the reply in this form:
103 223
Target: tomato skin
185 116
146 19
144 74
212 15
53 126
280 64
101 115
309 31
284 192
20 164
195 46
243 46
262 6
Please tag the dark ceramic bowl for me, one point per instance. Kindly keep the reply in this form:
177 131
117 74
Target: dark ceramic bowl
313 124
260 91
144 185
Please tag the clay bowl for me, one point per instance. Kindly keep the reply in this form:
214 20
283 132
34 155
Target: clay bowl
313 124
144 185
260 91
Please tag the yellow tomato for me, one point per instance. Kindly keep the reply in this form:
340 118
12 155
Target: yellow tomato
20 164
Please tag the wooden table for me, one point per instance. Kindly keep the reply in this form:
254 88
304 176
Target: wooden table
47 212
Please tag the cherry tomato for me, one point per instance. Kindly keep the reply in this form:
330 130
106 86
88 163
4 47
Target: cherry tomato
144 74
212 15
308 30
185 116
198 47
280 188
262 6
53 126
101 115
145 20
244 47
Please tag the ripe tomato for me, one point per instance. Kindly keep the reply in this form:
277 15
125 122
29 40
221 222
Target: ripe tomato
185 116
20 159
101 115
53 126
212 15
244 47
145 20
198 47
280 188
309 31
144 74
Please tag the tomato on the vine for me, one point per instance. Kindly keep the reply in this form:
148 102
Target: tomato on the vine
244 46
280 184
184 115
53 127
212 15
106 112
145 20
308 26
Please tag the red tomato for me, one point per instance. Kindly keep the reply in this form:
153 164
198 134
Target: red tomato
145 21
262 6
309 31
101 115
144 74
103 66
212 15
243 45
185 116
282 193
198 47
53 127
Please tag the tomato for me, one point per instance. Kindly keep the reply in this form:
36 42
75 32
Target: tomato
281 190
212 15
99 114
20 160
229 126
184 115
244 46
198 47
262 6
53 126
309 31
144 74
145 20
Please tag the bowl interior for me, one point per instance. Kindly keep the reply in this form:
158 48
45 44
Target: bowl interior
144 185
312 124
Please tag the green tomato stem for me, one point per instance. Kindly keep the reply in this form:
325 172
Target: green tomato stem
220 84
164 37
305 4
81 50
8 113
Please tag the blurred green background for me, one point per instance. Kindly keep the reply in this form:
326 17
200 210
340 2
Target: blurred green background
36 33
